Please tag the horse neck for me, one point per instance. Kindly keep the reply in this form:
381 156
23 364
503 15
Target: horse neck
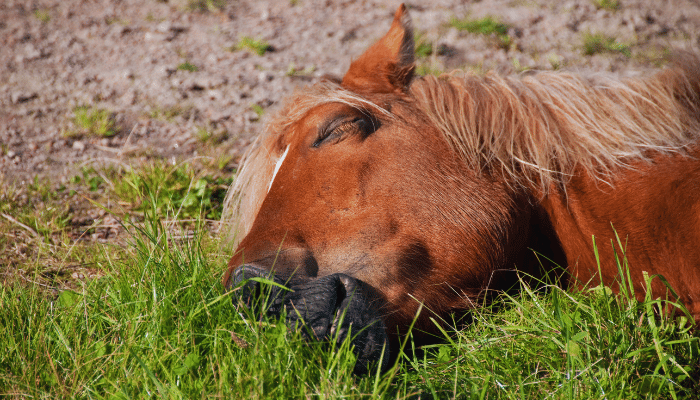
645 213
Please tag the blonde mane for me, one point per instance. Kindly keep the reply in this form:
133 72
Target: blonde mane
537 129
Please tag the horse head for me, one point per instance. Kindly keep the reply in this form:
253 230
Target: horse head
361 206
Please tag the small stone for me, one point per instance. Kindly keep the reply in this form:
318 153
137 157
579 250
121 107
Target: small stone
78 145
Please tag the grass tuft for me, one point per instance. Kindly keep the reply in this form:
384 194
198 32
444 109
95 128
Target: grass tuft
611 5
42 15
485 26
600 43
256 46
187 66
92 121
257 109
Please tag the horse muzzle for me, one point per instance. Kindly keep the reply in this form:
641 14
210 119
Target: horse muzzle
334 307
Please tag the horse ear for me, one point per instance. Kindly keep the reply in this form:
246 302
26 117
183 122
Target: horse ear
388 65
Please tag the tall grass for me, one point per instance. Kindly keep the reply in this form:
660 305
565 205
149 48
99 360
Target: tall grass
159 324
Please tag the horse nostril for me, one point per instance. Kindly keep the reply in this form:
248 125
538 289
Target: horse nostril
338 306
253 292
245 272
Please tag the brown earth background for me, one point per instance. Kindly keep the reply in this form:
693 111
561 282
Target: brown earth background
177 88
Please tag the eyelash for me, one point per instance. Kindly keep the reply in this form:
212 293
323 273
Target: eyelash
337 130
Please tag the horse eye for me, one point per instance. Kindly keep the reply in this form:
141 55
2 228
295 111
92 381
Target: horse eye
336 129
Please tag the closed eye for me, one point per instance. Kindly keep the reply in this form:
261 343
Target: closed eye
338 128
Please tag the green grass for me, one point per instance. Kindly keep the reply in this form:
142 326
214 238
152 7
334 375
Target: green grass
47 214
612 5
187 66
485 26
92 121
42 15
160 324
156 321
600 43
423 47
257 109
256 46
49 229
159 189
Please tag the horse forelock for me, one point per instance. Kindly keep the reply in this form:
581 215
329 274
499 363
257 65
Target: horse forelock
539 129
263 158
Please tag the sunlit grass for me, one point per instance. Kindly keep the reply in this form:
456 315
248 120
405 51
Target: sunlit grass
156 322
92 121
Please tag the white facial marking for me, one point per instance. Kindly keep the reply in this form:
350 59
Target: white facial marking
277 167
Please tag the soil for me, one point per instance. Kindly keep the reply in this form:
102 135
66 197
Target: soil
130 58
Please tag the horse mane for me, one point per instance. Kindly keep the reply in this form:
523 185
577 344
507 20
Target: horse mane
539 129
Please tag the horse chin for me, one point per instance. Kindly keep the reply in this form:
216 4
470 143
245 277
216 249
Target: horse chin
331 308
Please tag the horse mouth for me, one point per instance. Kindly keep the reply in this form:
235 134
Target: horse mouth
332 308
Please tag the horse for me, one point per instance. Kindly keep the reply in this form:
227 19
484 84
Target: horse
382 193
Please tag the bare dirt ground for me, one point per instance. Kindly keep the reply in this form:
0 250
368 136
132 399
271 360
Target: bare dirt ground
176 87
123 56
